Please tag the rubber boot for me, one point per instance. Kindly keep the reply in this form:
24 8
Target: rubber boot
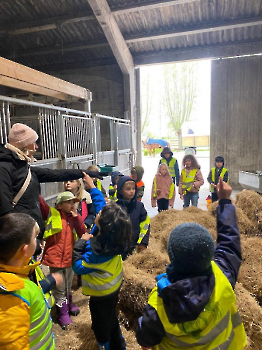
63 315
104 346
73 309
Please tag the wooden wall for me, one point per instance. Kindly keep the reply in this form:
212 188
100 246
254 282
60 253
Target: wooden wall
236 114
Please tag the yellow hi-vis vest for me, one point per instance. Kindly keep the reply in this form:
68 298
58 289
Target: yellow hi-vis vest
171 191
144 225
114 196
105 280
40 333
187 181
218 327
39 277
54 224
171 166
213 170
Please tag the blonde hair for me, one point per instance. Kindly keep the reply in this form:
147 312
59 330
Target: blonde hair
93 167
162 164
80 191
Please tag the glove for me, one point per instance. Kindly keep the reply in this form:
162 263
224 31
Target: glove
97 174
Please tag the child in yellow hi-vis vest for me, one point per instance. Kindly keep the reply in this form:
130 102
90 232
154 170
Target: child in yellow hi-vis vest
193 305
98 259
24 313
215 173
190 181
63 224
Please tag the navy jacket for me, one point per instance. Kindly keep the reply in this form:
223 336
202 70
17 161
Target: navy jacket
190 296
135 210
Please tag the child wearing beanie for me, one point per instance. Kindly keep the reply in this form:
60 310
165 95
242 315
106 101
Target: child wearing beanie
215 173
193 304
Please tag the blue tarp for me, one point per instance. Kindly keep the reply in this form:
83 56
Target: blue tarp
160 142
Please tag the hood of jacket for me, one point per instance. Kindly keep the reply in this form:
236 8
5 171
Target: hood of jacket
10 276
140 172
128 205
7 155
185 299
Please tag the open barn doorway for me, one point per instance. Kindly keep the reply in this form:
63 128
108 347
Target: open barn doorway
175 107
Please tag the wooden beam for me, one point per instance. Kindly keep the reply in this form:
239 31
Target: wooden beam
114 36
149 5
21 85
208 28
28 75
45 24
199 52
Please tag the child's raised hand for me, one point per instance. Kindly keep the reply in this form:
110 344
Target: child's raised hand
223 189
86 236
88 181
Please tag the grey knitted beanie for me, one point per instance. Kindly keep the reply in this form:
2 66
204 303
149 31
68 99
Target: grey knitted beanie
190 248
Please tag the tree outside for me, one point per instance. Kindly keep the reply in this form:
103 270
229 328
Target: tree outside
180 93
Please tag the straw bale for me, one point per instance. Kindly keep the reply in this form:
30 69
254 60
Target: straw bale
163 223
134 292
251 204
251 267
251 314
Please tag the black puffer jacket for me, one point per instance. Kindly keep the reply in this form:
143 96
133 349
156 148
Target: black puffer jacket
13 172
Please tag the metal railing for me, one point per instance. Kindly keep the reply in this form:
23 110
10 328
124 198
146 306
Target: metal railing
69 138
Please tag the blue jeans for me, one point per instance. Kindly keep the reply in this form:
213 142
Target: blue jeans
190 196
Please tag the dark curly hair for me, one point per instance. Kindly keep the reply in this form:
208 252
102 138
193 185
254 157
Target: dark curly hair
115 225
194 163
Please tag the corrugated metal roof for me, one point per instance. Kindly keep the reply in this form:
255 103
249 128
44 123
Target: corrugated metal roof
46 33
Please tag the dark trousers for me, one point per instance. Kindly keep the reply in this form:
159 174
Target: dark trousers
214 197
162 204
105 322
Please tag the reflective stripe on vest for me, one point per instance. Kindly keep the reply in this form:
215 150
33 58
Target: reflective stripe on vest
143 229
40 333
171 166
105 280
171 191
223 172
39 277
187 181
53 223
218 327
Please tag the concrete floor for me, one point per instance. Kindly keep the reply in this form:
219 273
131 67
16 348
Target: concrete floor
150 165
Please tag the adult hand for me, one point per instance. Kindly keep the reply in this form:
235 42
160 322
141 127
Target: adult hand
181 196
88 181
86 236
223 189
58 278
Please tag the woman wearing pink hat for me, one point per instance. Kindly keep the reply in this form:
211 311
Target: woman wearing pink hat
15 158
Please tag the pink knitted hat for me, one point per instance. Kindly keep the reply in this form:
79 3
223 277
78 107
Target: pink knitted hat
21 135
